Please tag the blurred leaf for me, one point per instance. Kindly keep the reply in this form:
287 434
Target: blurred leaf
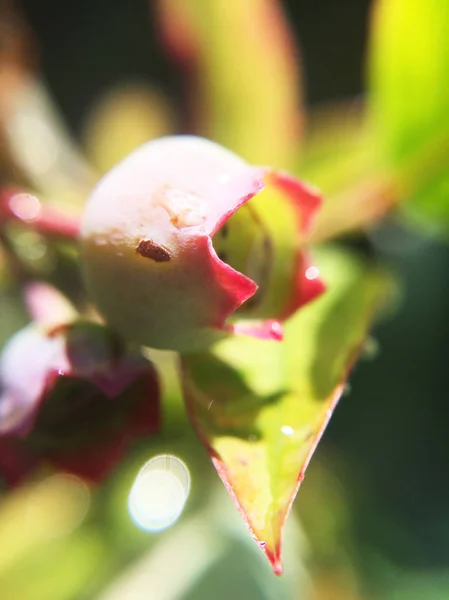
339 157
60 570
324 511
326 516
190 547
415 585
17 57
205 549
35 522
12 313
244 73
336 585
409 81
123 119
35 147
260 407
40 146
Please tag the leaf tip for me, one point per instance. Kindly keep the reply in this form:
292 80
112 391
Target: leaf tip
274 557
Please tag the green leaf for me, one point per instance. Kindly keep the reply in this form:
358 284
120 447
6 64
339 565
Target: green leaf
260 407
244 71
409 81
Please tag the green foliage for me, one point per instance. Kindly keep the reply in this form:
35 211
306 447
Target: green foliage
258 407
409 89
247 93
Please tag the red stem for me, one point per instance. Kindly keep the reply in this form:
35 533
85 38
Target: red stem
26 209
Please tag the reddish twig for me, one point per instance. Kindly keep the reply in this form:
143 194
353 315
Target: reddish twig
26 209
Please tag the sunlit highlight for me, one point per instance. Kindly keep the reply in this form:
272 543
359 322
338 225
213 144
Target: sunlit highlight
159 493
25 206
312 273
287 430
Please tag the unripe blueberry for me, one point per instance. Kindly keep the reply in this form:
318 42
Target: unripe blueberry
148 248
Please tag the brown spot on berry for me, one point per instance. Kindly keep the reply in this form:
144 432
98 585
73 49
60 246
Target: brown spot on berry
153 250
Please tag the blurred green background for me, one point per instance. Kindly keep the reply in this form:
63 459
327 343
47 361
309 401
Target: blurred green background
100 43
374 507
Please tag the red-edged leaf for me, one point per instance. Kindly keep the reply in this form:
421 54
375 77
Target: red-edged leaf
260 407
